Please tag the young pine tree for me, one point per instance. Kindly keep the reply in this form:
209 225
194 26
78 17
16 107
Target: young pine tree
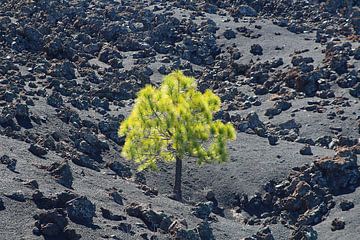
172 122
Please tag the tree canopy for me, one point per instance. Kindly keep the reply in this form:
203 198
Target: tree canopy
175 121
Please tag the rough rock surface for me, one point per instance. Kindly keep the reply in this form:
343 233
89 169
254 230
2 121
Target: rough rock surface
287 73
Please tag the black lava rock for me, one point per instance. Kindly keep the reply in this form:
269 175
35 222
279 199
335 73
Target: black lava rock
306 150
38 150
256 49
337 224
81 210
346 205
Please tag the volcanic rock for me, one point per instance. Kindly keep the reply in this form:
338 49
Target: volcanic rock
81 210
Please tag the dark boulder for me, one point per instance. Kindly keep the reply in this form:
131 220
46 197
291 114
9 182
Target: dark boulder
306 150
111 216
115 195
203 209
17 196
341 172
337 224
153 220
62 173
37 150
81 210
229 34
33 39
51 223
9 162
346 205
120 169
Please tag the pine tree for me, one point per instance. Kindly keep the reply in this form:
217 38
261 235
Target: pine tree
172 122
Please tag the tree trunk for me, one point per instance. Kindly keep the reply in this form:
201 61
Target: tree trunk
177 185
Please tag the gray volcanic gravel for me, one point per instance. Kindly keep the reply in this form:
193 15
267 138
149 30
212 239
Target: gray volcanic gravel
288 75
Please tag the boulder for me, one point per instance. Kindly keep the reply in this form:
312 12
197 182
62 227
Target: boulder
33 39
244 11
9 162
64 70
115 195
229 34
51 223
203 209
62 173
17 196
111 216
341 172
346 205
272 139
120 169
55 100
337 224
81 210
38 150
256 49
154 220
306 150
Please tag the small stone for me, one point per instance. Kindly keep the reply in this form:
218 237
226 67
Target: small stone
36 231
17 196
229 34
117 197
346 205
263 234
306 150
9 96
341 171
272 139
337 224
111 216
37 150
55 100
32 184
85 161
22 111
9 162
256 49
124 227
63 197
152 219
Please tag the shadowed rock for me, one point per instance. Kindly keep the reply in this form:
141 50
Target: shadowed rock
81 210
62 173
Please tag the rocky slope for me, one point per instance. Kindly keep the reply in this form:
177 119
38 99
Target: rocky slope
288 76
